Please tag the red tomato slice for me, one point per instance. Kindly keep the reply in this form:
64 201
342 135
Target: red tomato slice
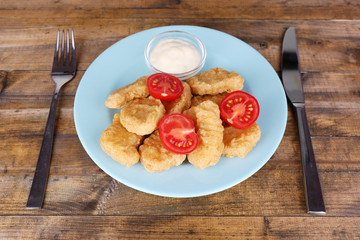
239 109
164 86
177 133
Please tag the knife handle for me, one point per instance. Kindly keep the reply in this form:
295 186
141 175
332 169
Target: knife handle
314 198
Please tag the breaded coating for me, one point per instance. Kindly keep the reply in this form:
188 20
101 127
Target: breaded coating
142 115
119 97
155 157
215 81
239 142
120 144
181 103
196 100
209 129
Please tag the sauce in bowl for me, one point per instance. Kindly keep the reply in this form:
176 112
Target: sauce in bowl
177 53
175 56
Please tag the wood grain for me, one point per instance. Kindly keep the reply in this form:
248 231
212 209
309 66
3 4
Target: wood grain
83 202
3 80
265 193
202 227
323 45
277 9
313 228
331 102
128 227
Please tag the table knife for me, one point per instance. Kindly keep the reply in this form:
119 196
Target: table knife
291 78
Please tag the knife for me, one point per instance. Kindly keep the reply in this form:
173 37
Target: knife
291 78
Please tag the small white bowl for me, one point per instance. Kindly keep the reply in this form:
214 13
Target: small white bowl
184 36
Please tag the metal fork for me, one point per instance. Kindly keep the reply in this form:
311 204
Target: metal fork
63 70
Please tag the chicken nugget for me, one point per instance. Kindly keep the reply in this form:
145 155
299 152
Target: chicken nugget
215 81
155 157
119 97
209 129
120 144
181 103
142 115
196 100
239 142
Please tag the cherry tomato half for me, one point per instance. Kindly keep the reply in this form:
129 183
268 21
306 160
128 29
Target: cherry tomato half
164 86
177 133
239 109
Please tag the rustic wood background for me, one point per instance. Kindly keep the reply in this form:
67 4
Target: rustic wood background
82 202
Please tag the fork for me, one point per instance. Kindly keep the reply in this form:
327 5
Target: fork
63 70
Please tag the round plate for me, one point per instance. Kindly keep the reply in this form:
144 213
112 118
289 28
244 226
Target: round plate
124 62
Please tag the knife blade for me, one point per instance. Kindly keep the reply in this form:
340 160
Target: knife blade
291 78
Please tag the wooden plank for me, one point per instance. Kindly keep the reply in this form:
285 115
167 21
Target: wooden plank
32 121
37 83
313 228
275 9
331 103
128 227
170 227
17 121
323 45
335 150
331 86
83 202
77 186
20 153
332 89
3 80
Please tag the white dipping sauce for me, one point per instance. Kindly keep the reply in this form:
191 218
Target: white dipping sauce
175 56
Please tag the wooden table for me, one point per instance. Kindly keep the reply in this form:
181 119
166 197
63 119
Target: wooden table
83 202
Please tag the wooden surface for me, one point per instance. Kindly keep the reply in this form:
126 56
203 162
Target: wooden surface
82 202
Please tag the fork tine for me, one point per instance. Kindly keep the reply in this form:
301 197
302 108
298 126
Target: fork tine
67 60
73 52
56 53
62 49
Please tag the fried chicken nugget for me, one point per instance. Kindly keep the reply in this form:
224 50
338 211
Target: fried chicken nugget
155 157
142 115
208 125
120 144
196 100
215 81
119 97
181 103
239 142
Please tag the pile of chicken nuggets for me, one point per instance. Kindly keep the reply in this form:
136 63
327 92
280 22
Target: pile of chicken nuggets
134 134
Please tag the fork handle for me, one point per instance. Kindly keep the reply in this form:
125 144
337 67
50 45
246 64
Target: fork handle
38 186
314 198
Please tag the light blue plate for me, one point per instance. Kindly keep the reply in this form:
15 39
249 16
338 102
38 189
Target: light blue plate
124 62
